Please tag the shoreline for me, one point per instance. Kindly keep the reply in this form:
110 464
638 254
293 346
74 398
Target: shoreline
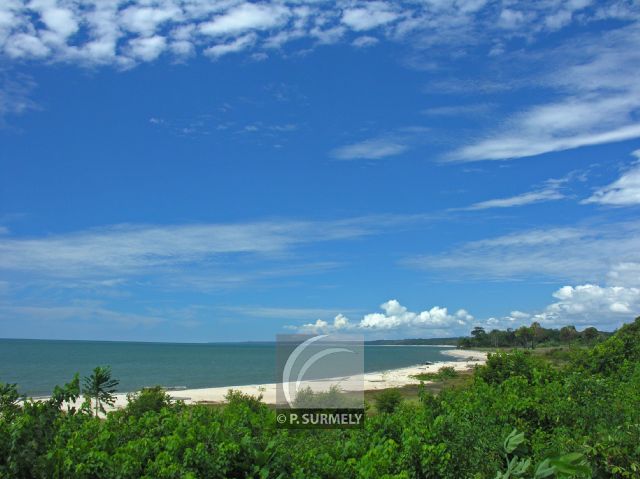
373 381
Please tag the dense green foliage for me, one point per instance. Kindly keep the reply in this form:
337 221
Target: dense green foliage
531 336
388 400
579 420
445 372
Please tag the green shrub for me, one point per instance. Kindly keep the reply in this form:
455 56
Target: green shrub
388 400
501 366
149 399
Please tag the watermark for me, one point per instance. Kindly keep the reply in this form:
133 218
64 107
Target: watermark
320 381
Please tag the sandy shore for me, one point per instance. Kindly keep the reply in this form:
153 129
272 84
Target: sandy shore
392 378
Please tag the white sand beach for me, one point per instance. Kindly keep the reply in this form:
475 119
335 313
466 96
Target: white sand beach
391 378
372 381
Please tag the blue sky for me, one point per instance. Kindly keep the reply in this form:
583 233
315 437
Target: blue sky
211 171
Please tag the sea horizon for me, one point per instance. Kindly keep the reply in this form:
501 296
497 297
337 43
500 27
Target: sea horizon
37 365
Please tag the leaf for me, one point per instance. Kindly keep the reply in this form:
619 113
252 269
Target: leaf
570 464
544 469
513 440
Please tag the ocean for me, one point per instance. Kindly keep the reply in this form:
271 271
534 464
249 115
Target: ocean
38 365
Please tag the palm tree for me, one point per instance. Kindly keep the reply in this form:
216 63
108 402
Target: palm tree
100 387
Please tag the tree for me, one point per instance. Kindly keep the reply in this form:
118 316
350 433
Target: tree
590 334
100 387
568 333
479 334
538 333
525 336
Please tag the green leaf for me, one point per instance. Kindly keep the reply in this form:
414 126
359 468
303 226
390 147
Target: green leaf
513 440
570 464
544 469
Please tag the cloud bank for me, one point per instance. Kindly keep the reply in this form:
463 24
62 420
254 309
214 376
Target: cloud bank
124 33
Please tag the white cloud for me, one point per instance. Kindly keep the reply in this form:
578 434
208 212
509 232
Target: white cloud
625 191
475 109
135 249
89 312
371 15
24 45
364 41
600 103
372 149
61 21
99 32
590 304
15 95
626 273
282 313
146 20
551 193
237 45
582 254
147 49
245 17
511 19
395 317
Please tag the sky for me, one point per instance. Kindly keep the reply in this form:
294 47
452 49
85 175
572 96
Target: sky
189 170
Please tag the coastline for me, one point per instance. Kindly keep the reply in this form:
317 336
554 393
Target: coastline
373 381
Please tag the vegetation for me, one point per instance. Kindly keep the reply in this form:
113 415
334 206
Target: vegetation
532 336
445 372
100 387
388 400
580 419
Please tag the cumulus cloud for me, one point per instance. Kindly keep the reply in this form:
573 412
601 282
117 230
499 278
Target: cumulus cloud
394 317
244 17
99 32
625 191
369 15
591 304
147 49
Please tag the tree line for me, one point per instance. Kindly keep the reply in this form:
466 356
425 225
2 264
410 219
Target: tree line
531 336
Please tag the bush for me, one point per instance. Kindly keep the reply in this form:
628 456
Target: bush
501 366
333 398
388 400
149 399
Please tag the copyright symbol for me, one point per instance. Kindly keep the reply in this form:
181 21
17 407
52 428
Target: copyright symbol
281 418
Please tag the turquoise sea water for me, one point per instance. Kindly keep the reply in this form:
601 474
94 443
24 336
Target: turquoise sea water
38 365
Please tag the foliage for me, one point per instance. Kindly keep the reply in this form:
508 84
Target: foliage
9 397
579 420
388 400
567 465
149 399
531 337
445 372
501 366
100 387
333 398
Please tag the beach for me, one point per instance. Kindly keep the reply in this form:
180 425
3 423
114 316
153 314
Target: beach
391 378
